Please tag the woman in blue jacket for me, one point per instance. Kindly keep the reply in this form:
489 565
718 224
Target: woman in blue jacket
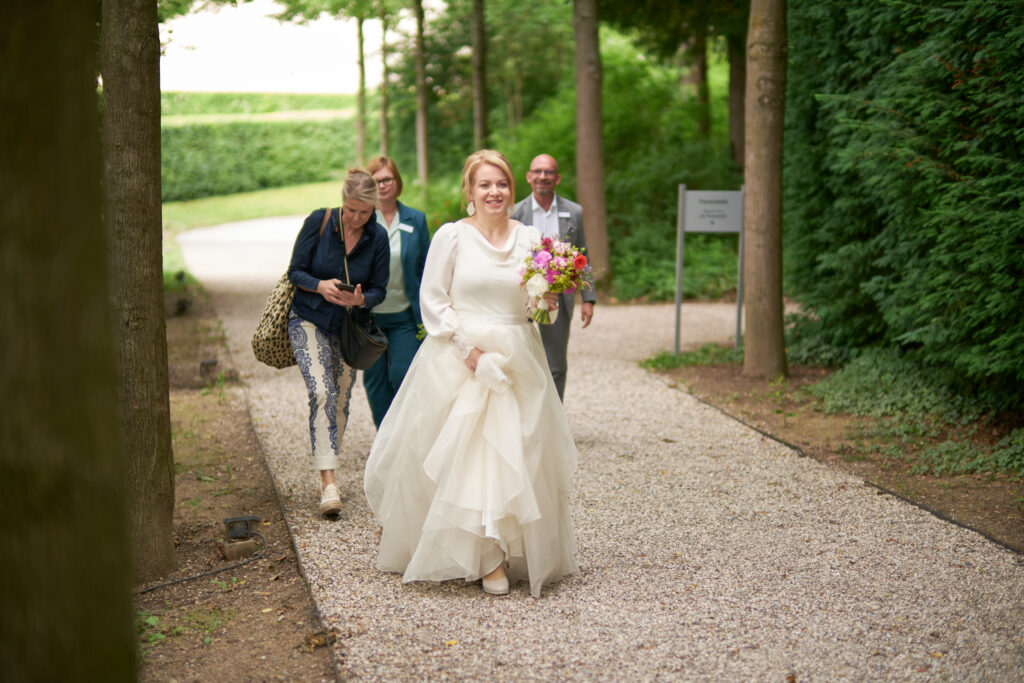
399 315
321 303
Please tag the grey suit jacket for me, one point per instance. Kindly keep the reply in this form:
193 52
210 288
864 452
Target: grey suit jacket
570 229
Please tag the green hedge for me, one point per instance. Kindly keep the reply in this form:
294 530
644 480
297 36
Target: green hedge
202 160
904 165
174 103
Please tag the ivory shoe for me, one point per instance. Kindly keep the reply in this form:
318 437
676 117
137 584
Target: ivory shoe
496 586
330 502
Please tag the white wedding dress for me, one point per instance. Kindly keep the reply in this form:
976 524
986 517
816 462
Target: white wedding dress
469 470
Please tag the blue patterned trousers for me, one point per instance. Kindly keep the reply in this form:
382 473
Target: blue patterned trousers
329 387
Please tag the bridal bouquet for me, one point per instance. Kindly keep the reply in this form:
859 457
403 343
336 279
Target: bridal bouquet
552 266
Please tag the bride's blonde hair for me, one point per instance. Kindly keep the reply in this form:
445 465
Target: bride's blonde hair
475 161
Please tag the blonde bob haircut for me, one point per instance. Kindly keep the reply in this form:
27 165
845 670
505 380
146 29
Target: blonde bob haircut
380 162
359 185
477 159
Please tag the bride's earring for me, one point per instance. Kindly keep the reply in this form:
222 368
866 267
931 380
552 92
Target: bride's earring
470 209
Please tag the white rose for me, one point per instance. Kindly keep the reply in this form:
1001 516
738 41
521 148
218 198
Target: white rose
536 285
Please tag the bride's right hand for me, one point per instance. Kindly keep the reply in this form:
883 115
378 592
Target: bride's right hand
472 358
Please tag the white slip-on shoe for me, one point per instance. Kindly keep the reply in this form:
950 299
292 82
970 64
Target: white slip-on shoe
497 585
330 502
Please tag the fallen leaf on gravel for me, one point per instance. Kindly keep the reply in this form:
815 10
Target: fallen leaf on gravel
451 642
937 655
318 639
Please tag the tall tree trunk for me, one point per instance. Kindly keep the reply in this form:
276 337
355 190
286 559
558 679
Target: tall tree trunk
130 49
589 140
63 527
765 352
384 25
698 77
479 76
422 160
737 88
361 97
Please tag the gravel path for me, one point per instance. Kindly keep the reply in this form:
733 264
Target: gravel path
706 550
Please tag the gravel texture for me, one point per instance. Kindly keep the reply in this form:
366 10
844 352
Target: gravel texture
707 551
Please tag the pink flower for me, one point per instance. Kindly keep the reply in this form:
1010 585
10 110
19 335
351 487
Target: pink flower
541 259
551 276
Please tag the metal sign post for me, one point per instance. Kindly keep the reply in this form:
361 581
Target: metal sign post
708 211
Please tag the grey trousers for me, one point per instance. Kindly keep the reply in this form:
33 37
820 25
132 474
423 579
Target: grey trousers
556 341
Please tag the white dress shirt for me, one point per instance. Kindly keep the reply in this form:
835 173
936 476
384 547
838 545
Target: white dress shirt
546 221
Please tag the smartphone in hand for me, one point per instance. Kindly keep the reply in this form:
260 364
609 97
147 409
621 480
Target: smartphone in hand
346 287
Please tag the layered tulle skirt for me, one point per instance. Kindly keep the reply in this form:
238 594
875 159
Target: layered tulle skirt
469 470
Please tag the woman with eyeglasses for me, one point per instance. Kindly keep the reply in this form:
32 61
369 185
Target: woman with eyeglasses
398 316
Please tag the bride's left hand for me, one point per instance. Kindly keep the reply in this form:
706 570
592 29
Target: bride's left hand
552 300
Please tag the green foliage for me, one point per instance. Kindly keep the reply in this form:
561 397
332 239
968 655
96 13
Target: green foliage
203 160
904 225
709 354
530 59
963 457
884 383
651 146
914 404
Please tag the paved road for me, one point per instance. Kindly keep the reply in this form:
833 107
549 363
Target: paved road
706 551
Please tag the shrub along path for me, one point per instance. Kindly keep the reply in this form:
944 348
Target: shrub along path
706 550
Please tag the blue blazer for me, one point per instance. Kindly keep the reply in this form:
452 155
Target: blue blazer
414 254
318 257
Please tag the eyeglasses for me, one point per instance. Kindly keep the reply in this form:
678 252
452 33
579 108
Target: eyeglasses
547 172
385 181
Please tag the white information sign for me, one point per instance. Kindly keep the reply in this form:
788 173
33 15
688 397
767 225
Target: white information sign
709 211
713 211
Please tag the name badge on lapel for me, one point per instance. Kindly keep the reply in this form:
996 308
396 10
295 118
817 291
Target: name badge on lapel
564 214
405 227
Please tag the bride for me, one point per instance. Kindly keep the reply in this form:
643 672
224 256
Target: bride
470 472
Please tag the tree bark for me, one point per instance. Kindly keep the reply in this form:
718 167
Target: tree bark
422 160
479 76
384 25
764 349
63 527
361 97
130 54
737 89
698 78
589 140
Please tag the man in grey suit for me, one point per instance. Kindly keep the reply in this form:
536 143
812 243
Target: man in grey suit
560 218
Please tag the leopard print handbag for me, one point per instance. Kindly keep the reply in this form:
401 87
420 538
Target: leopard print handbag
270 343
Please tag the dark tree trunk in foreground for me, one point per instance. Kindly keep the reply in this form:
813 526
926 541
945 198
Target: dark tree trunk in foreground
764 347
479 76
65 589
130 54
589 140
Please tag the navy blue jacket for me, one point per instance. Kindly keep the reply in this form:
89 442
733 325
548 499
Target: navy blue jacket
414 254
315 259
